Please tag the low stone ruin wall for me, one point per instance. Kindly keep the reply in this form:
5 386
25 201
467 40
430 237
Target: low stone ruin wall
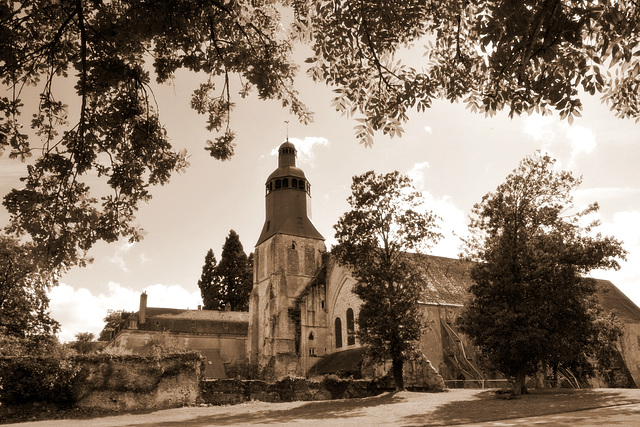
100 382
137 383
233 391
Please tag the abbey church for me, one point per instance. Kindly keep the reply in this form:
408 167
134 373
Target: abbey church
302 318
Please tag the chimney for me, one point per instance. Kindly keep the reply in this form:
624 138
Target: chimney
142 313
199 307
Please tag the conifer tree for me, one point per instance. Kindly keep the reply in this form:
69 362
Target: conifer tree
227 284
236 273
210 284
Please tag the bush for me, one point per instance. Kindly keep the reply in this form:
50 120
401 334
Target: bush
26 380
245 371
335 385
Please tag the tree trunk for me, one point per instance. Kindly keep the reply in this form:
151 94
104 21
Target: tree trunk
397 364
519 386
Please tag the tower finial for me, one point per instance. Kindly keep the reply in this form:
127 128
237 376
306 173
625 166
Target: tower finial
287 122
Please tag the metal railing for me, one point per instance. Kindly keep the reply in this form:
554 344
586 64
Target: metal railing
484 383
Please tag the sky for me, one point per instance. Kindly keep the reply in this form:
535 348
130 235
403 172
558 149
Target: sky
454 157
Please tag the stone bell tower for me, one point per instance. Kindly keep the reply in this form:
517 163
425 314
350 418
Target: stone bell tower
287 256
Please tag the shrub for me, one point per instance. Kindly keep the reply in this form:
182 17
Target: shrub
245 371
38 379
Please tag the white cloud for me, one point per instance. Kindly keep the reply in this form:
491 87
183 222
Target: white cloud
79 310
550 131
305 148
453 225
416 173
119 256
538 127
597 194
581 139
144 258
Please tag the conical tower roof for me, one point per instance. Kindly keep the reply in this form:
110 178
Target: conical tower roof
288 199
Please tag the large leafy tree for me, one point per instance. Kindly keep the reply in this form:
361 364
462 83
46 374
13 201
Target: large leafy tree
387 220
24 303
522 56
111 49
83 343
229 282
112 321
531 305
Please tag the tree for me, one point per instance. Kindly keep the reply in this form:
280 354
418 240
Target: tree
115 132
236 273
384 224
24 302
519 56
210 284
82 344
524 56
531 305
228 283
113 320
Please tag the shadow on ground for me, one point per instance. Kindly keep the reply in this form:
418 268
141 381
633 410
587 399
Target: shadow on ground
320 411
487 407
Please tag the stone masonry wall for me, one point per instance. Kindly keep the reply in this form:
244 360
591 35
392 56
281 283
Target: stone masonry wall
233 391
137 383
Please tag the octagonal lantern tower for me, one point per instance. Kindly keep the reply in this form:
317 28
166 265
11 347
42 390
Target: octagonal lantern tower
287 256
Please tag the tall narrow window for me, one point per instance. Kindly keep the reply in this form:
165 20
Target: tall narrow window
351 331
338 332
278 184
285 183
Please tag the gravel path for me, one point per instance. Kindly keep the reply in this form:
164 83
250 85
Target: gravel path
455 407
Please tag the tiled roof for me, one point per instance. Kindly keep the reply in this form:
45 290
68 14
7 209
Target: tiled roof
206 315
194 321
448 280
343 362
612 299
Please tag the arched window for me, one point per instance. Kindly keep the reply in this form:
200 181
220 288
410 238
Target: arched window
351 331
294 183
338 332
311 336
285 183
278 184
301 184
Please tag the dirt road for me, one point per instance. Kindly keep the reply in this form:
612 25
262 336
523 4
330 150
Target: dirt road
456 407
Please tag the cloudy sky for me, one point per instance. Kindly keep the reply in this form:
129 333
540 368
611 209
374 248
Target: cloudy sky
453 156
